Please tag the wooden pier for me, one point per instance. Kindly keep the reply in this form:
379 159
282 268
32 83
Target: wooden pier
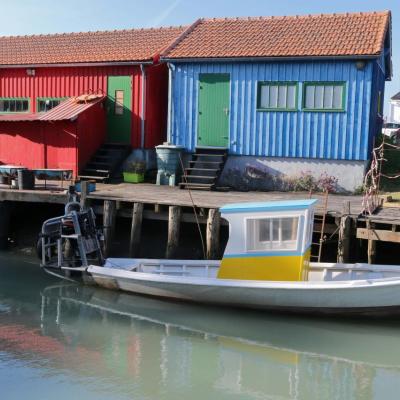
147 201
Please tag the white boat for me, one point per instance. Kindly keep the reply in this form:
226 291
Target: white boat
265 266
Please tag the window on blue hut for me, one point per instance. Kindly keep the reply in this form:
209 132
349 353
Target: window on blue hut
279 233
324 96
277 96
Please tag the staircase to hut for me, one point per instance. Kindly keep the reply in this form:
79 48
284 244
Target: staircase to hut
105 163
204 169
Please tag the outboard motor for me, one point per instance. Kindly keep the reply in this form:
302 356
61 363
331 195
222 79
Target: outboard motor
72 241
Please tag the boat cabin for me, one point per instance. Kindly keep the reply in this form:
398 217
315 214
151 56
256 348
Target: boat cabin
268 240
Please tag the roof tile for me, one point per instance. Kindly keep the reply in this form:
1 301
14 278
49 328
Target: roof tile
355 34
87 47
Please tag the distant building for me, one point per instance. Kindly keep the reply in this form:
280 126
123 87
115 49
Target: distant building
394 115
282 94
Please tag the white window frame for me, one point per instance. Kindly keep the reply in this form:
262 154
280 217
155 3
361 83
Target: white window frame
279 85
273 215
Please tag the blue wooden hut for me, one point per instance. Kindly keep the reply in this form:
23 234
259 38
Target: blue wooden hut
281 95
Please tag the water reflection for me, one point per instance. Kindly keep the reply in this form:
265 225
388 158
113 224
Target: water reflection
122 346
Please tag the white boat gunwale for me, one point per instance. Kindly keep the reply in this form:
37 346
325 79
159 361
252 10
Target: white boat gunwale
201 281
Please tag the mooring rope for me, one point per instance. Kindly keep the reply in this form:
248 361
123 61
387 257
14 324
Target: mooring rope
194 208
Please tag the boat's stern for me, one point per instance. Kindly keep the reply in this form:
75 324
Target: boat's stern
268 241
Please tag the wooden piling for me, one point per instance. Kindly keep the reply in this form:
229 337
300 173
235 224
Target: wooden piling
84 193
5 217
136 229
371 244
212 233
174 221
343 253
109 214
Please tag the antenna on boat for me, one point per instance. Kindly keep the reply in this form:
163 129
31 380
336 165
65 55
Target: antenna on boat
194 209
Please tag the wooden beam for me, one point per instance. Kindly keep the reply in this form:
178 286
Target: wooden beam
378 235
371 251
174 222
136 229
343 253
212 235
109 213
5 217
84 193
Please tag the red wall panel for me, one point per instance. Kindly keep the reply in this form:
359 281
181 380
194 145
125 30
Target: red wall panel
39 144
71 81
91 133
60 144
22 143
74 81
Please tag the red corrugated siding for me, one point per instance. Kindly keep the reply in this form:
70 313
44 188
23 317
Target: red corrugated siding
48 144
22 143
91 133
71 81
60 141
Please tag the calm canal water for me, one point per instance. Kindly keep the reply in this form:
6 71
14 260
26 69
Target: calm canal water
62 341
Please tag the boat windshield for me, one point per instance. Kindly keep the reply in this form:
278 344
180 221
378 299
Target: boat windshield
272 233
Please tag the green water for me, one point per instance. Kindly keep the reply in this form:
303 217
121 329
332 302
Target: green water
61 341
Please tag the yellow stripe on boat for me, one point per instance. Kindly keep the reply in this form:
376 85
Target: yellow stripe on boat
270 268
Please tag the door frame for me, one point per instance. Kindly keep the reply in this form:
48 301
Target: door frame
229 113
130 93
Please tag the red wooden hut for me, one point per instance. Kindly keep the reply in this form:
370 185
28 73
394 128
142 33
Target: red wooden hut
38 72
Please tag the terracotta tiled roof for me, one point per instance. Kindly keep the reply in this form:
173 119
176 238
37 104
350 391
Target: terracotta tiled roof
298 36
87 47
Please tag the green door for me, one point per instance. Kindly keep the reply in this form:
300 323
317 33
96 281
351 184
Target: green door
213 128
119 109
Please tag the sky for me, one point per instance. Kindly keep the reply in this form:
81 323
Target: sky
24 17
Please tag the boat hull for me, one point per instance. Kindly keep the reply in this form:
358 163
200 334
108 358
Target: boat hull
380 297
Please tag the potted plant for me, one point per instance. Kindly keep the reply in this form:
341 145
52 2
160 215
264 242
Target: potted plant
134 171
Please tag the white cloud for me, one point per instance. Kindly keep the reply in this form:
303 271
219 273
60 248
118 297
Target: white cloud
162 16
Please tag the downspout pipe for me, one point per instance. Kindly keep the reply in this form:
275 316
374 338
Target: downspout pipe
143 107
171 68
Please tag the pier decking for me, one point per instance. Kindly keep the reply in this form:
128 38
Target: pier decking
173 196
173 205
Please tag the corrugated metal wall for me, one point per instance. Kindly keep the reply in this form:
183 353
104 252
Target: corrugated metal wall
74 81
332 135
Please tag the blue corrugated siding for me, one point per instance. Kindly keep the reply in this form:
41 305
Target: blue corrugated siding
378 85
331 135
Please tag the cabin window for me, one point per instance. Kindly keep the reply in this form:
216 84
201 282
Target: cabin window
328 96
44 105
14 105
272 233
119 102
277 96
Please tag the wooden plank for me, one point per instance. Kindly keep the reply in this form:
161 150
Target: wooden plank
343 254
136 229
109 214
212 233
174 222
371 244
84 193
378 235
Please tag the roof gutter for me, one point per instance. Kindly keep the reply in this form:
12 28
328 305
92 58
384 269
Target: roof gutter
143 107
253 59
170 110
89 64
